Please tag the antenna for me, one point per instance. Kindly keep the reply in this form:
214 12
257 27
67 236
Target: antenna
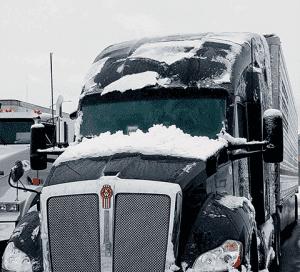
51 88
26 91
53 140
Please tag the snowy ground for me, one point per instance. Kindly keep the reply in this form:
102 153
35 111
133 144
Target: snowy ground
291 249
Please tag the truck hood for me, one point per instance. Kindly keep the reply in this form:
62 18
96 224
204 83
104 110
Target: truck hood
129 166
159 140
7 150
162 154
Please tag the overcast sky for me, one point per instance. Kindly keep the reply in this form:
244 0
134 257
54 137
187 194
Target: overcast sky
77 31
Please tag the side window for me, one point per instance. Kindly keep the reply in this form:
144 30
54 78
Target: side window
66 135
242 123
230 120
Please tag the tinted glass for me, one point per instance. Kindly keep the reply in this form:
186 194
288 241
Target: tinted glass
198 117
15 131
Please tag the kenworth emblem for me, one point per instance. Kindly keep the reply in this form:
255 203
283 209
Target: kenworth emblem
106 194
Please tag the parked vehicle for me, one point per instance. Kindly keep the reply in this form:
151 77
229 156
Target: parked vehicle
185 160
16 118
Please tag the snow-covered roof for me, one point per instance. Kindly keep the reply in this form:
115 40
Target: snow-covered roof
159 140
198 60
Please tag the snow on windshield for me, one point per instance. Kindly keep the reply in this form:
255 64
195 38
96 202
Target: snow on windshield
159 140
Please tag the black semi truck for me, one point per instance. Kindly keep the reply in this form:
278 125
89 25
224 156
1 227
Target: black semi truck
185 160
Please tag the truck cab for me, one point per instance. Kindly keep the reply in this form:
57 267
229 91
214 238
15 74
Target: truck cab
16 119
177 143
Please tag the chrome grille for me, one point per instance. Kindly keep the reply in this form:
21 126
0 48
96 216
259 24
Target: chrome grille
141 232
74 241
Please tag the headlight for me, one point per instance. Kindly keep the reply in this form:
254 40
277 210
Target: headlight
9 207
15 260
221 258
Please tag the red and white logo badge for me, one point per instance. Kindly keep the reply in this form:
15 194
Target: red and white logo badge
106 194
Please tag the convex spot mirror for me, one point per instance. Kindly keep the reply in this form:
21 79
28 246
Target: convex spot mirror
17 171
273 133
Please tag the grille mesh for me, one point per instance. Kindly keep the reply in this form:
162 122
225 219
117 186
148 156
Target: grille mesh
141 232
73 223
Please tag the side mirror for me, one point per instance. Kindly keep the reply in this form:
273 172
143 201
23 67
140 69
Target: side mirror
273 133
38 160
17 171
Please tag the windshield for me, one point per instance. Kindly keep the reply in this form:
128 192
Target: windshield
193 114
15 131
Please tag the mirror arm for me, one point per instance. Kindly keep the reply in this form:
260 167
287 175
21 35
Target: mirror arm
244 154
51 160
248 144
24 188
52 152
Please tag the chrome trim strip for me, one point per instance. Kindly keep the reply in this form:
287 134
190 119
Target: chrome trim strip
107 215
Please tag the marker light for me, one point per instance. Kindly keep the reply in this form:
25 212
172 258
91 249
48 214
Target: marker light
226 256
9 207
15 260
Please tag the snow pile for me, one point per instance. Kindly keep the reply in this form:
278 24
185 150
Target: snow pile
94 70
37 126
170 259
168 52
226 137
228 61
35 233
233 203
134 82
18 230
272 112
16 260
159 140
78 123
52 149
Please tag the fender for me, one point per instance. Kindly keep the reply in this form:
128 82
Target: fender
222 217
26 238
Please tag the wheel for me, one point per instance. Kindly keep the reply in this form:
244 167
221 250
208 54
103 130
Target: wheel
254 254
296 208
2 248
275 265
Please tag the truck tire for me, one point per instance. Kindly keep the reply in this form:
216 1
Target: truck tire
254 254
2 248
275 265
296 208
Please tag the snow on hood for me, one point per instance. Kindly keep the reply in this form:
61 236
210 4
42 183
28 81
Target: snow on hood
9 150
159 140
